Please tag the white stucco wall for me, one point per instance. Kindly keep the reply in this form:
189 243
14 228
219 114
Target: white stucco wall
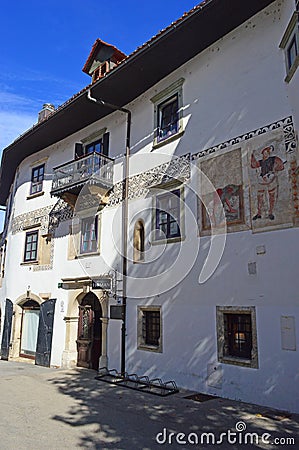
235 86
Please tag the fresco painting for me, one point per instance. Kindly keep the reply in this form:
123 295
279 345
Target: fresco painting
225 202
270 200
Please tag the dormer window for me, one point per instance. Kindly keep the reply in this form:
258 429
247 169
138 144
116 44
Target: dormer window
102 58
101 71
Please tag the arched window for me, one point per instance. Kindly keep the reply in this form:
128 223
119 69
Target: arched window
138 242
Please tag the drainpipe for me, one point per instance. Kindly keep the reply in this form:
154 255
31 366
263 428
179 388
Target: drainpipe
124 221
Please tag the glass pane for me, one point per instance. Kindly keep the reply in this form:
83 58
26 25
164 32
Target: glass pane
168 118
29 331
174 229
292 52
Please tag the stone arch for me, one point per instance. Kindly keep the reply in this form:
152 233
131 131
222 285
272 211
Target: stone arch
17 321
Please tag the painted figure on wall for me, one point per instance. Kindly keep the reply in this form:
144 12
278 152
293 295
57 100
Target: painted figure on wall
269 165
225 206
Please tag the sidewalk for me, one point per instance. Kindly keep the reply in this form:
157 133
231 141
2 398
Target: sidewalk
53 409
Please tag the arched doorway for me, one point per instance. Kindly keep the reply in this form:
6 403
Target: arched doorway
89 340
29 328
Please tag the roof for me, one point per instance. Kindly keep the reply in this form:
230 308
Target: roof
168 50
118 55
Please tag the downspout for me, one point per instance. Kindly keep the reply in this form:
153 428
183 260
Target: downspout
124 221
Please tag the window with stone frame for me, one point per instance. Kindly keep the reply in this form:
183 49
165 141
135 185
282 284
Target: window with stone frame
31 246
237 335
168 113
168 215
168 118
89 235
37 178
290 45
149 328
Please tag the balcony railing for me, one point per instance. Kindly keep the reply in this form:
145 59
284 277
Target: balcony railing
94 166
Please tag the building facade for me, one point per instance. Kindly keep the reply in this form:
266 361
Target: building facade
196 231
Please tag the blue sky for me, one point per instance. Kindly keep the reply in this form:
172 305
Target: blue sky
44 45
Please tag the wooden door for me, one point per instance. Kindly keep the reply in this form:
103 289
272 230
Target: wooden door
89 340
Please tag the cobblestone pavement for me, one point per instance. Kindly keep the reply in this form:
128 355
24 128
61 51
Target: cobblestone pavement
47 409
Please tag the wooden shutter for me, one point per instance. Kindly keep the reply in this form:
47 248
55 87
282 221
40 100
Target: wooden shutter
79 151
106 144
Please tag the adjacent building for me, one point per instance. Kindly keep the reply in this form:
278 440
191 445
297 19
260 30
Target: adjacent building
152 220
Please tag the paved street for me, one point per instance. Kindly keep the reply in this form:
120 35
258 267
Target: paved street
56 409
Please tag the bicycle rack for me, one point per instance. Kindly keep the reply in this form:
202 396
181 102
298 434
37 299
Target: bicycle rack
143 383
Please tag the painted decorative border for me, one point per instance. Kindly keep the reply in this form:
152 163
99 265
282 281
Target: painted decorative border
288 131
38 267
38 217
139 185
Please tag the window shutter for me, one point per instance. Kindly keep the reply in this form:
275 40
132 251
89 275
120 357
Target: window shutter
78 150
106 144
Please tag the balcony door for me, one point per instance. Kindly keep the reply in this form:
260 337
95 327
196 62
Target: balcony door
89 341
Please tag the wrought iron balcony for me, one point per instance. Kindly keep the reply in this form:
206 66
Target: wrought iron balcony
94 168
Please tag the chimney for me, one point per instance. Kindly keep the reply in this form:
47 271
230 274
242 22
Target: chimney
48 108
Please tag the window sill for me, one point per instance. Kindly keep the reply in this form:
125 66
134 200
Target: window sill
174 137
292 70
239 362
149 348
168 240
83 255
28 263
37 194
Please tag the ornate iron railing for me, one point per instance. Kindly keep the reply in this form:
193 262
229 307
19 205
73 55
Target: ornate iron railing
79 171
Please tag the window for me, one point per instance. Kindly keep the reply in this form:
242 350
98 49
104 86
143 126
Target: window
236 336
31 242
149 328
168 215
96 146
237 331
37 178
89 235
290 45
292 52
138 242
168 113
168 118
98 143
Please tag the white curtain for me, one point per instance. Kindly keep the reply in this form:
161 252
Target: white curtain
29 331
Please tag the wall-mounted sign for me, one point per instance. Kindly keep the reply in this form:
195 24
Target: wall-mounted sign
70 285
117 312
104 283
